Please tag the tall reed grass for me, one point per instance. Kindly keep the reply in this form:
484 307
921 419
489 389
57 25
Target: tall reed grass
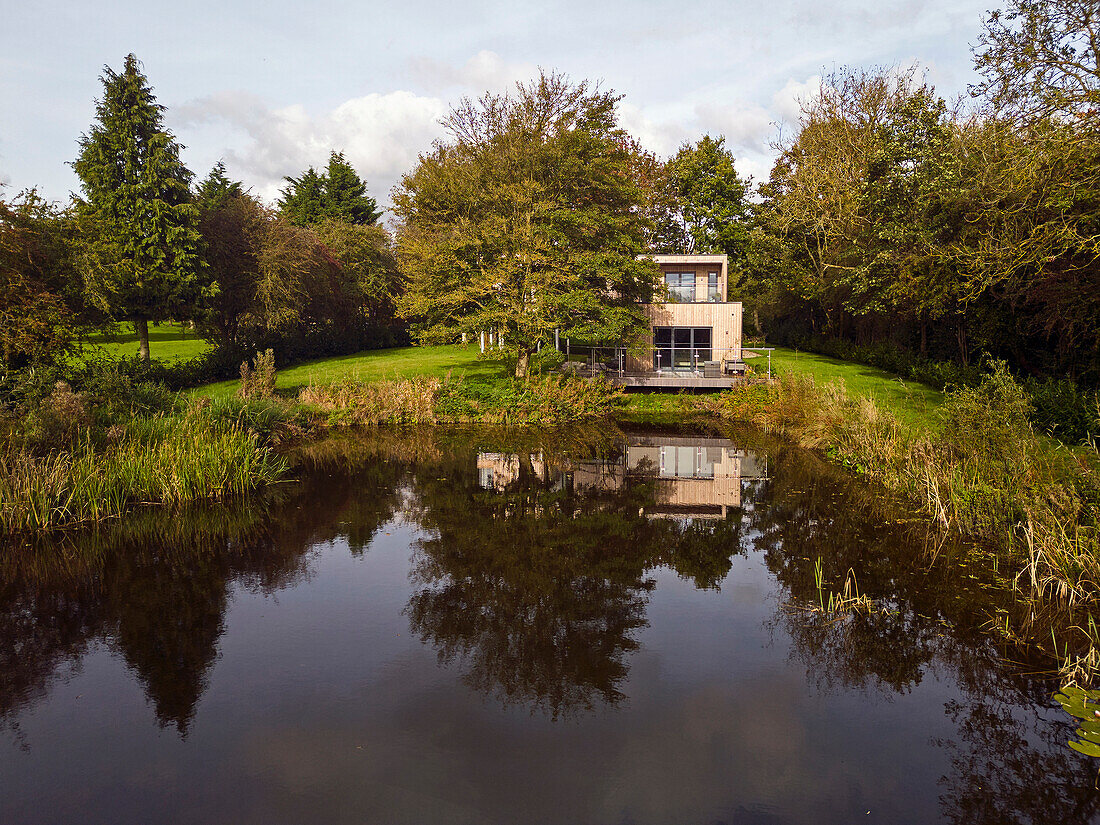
161 460
547 400
984 472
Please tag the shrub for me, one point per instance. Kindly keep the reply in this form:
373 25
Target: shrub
57 420
115 393
258 381
546 360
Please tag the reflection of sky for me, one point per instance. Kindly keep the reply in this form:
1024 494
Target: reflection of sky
323 708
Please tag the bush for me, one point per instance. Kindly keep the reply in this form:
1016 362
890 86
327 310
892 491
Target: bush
546 360
258 380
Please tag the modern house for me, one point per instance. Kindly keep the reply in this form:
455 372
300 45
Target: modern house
695 333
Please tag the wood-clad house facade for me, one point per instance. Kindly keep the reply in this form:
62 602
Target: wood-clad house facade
696 328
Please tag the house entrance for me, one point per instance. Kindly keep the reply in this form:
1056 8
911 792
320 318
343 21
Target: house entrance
681 348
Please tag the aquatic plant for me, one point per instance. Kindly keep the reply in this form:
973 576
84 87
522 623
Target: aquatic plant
1084 705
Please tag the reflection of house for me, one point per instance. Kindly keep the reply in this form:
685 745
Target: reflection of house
697 477
694 477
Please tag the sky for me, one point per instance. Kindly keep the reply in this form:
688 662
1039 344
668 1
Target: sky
273 87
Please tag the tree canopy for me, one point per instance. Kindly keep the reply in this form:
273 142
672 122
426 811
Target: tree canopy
143 259
527 220
336 194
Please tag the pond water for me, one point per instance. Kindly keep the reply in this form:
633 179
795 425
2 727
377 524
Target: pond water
469 627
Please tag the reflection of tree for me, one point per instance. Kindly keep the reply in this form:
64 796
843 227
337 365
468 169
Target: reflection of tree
1009 761
1007 769
156 585
539 591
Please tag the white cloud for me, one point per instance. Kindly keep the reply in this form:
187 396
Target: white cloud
662 136
747 127
381 135
787 102
485 71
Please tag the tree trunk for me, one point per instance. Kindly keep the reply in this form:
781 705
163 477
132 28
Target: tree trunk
924 338
960 335
141 327
521 363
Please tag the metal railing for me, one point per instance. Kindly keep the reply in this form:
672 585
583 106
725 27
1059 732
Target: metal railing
768 350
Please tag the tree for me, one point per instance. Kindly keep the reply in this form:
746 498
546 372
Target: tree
1040 59
712 199
1038 212
368 269
337 194
42 304
217 189
528 220
144 261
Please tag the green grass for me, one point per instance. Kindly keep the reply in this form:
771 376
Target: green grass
166 342
912 403
374 365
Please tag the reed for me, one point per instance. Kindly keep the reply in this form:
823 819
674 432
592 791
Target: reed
983 473
164 460
547 400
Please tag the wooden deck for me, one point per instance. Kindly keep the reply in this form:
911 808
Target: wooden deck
671 381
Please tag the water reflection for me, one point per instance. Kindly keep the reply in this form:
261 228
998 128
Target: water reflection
535 564
537 575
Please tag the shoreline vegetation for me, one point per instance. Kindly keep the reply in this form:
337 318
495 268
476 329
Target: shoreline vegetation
974 466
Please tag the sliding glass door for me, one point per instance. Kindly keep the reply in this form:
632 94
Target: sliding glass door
681 348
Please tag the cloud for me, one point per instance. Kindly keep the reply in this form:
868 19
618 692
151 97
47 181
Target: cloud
660 135
787 102
485 71
747 127
380 134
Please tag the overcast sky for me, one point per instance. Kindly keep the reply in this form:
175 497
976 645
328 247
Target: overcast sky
271 87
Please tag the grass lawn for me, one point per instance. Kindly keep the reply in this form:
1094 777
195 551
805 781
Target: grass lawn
910 402
166 342
372 365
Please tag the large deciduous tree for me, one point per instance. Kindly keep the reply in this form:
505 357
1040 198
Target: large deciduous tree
1040 59
527 220
140 226
336 194
712 199
42 305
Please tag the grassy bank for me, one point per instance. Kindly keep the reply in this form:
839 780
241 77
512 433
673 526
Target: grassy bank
910 402
981 470
377 365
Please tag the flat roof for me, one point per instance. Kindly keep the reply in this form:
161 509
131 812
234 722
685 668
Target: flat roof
688 259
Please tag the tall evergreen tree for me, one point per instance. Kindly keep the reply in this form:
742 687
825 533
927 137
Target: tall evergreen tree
337 194
144 263
217 189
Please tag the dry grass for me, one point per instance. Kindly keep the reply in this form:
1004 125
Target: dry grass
983 473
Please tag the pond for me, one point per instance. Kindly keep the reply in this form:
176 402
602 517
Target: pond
565 627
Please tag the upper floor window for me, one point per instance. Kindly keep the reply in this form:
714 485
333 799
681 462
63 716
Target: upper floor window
681 287
713 294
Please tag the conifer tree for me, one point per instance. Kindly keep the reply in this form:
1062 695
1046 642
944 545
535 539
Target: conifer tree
144 263
217 189
337 194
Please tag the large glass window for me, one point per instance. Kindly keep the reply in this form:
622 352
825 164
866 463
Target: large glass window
681 348
712 287
681 287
